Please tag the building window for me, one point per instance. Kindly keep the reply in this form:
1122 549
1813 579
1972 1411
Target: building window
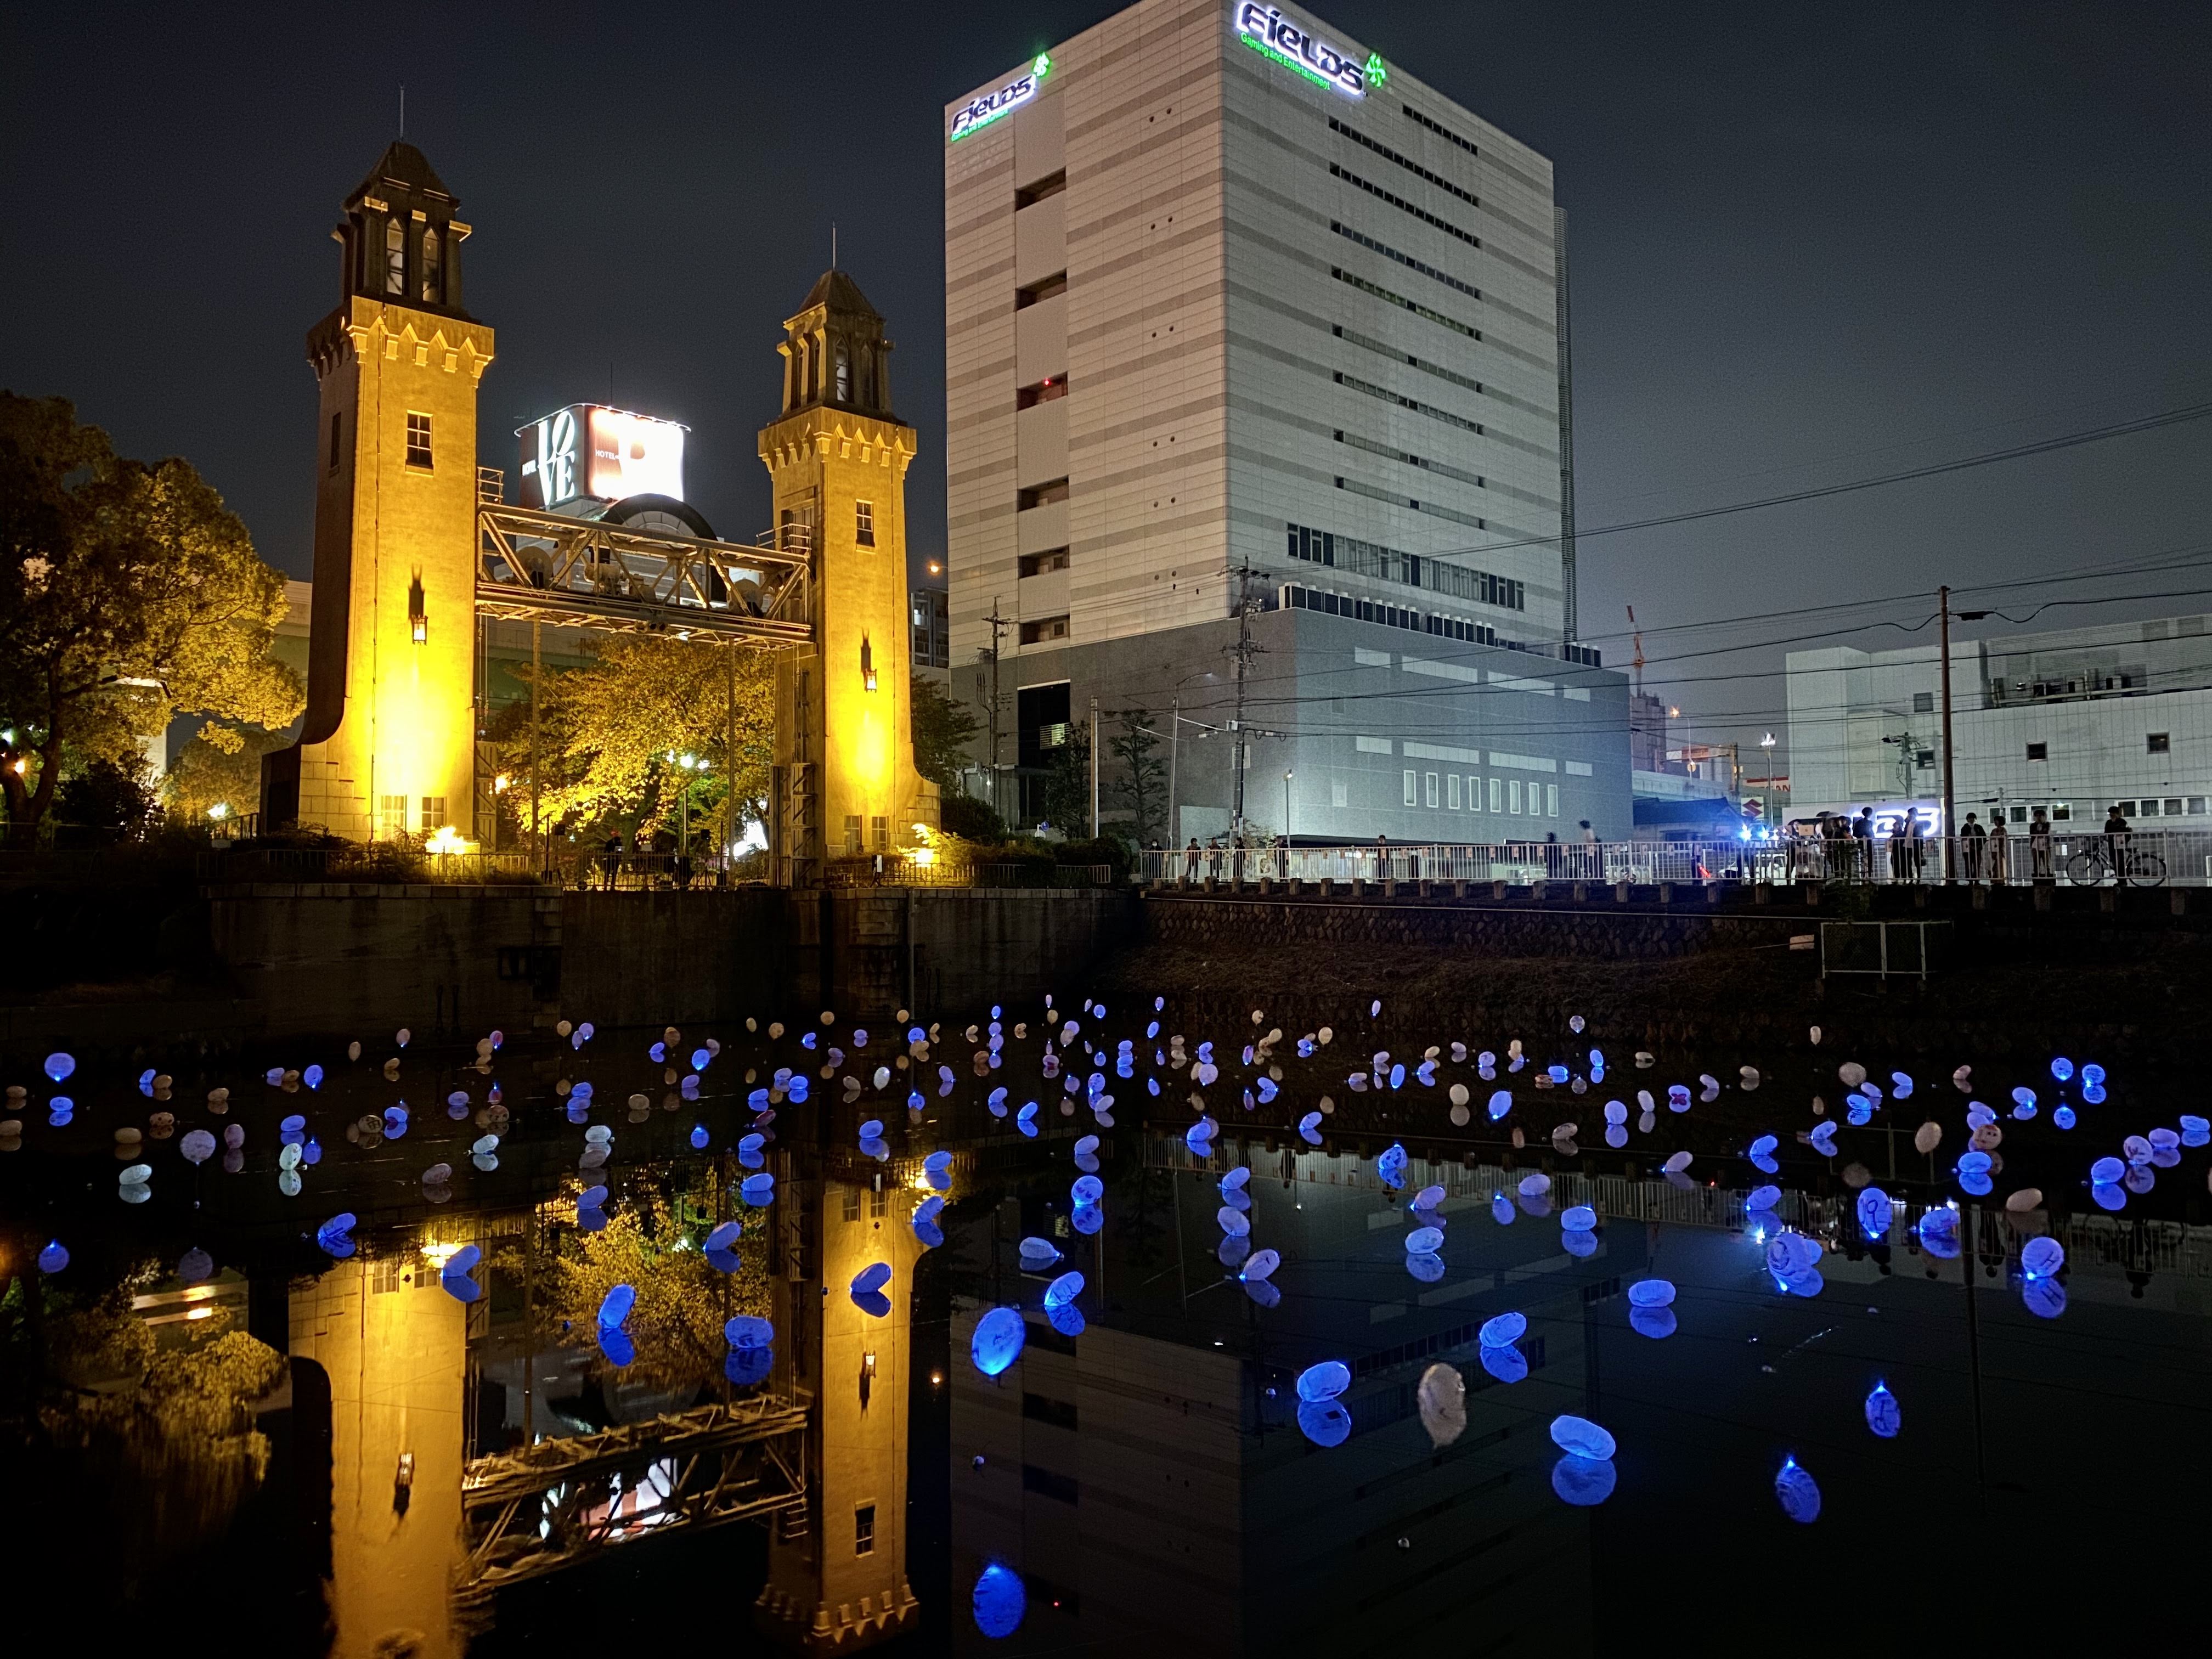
852 1203
2197 806
434 813
1050 185
1046 289
1412 789
1047 1484
384 1275
1474 793
879 837
418 442
853 834
1451 792
1513 797
864 1529
334 442
2157 743
1924 702
1041 494
1046 391
1550 800
1340 792
1495 793
864 523
391 815
1924 759
433 270
1429 789
1044 629
844 376
2061 812
2038 751
1044 563
395 258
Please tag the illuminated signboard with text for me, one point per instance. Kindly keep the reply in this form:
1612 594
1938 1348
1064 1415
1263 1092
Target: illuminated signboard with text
588 450
980 112
1270 34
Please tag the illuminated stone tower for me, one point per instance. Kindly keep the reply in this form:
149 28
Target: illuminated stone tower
389 741
839 1582
845 784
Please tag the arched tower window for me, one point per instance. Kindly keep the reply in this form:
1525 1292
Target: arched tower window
844 375
395 258
433 270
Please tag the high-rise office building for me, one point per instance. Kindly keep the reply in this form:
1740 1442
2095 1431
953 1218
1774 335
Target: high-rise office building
1242 318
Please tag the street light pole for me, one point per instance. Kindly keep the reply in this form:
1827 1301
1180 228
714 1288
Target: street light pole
1950 827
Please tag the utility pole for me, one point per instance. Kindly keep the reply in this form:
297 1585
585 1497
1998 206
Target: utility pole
1094 768
999 626
536 672
1175 754
1950 825
1243 651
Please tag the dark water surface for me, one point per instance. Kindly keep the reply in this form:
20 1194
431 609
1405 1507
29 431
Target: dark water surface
306 1444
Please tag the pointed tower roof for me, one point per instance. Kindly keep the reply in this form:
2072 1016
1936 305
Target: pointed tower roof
839 292
403 169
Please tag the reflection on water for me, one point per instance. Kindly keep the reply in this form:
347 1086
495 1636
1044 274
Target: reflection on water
502 1409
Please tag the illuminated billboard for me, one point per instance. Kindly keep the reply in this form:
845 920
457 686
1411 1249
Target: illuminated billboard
590 451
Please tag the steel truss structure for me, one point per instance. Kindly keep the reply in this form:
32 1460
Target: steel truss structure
562 1501
581 572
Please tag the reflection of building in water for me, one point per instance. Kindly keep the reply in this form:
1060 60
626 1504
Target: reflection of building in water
838 1580
393 1346
1149 1485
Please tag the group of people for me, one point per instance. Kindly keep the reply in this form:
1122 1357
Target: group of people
1849 845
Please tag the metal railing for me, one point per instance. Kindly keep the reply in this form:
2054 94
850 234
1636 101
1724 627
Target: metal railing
2143 858
901 869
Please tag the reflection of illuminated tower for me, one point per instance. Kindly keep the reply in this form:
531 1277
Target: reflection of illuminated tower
392 1348
845 782
841 1583
389 741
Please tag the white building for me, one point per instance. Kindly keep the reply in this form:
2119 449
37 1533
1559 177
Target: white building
2074 721
1224 291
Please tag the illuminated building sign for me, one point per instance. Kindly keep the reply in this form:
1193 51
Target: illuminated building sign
1007 98
608 454
1267 31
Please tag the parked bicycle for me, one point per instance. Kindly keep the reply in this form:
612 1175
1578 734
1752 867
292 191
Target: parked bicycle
2095 863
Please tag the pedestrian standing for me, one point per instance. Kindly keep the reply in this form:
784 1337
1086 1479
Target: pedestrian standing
2000 848
1190 860
2038 846
1971 839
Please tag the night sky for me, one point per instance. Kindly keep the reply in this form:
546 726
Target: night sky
1806 245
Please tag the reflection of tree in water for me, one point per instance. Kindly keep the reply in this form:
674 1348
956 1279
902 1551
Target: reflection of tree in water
150 1438
652 1242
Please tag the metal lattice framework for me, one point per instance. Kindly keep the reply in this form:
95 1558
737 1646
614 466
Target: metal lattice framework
562 1501
581 572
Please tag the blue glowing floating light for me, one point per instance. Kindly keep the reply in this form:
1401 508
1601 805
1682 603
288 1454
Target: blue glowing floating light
1762 1198
1500 1103
1580 1436
2042 1256
2045 1297
749 1331
1503 1361
1882 1415
658 1053
2092 1075
748 1367
1798 1493
2062 1068
615 1309
1428 1198
1309 1128
2064 1117
1678 1096
1580 1220
1764 1146
1325 1422
58 1066
460 1287
615 1343
1657 1323
1063 1290
699 1138
1502 1211
1236 1180
334 1235
1582 1246
1424 1241
2106 1171
1066 1319
1037 1254
1232 1250
1087 1218
1584 1482
1558 1074
1652 1292
1426 1266
1087 1189
56 1256
998 1340
1325 1381
1260 1266
1504 1330
724 1238
873 1277
1875 1210
1939 1234
757 1190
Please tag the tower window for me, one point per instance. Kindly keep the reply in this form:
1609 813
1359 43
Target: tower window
1044 563
1044 391
1044 631
433 275
864 1529
2157 743
864 523
418 441
1041 494
395 258
1050 185
844 376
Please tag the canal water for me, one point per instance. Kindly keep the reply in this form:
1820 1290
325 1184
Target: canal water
815 1339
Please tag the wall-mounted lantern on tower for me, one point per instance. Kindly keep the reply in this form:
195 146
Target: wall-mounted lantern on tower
418 618
867 664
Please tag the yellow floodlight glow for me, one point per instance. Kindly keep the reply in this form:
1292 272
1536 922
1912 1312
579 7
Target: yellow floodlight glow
447 839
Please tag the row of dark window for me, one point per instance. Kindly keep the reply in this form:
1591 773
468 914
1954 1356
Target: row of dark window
1404 402
1295 598
1440 130
2154 743
1363 558
1411 166
1399 300
1415 503
1404 260
1411 459
1406 357
1405 206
